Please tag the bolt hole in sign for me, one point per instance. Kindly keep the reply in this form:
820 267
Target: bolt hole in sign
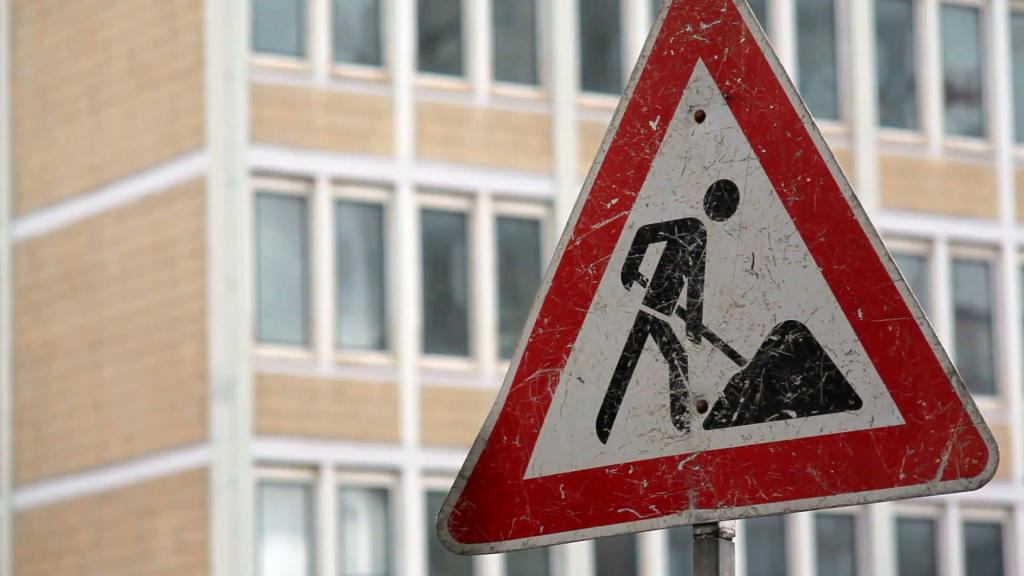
721 334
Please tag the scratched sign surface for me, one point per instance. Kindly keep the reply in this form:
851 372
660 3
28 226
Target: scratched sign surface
721 334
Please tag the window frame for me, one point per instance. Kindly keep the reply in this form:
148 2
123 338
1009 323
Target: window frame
282 475
1015 7
453 201
990 515
366 479
507 89
854 512
905 135
278 61
349 70
989 254
540 211
969 143
371 195
830 126
434 80
604 101
297 187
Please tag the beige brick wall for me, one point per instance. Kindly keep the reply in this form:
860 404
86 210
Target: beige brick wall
591 136
100 90
473 135
110 336
939 186
845 158
324 408
452 416
158 528
1002 435
323 119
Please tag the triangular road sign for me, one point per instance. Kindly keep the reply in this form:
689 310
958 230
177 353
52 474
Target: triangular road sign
721 334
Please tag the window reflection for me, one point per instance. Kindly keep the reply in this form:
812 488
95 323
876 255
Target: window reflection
975 341
440 36
897 81
600 46
962 76
816 55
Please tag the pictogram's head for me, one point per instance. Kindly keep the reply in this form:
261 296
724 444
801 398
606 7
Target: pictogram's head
721 200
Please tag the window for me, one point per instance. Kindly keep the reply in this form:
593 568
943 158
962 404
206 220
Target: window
600 46
364 535
515 41
766 545
445 238
914 268
1017 40
615 556
896 58
356 29
441 562
284 529
983 548
519 272
360 286
760 8
816 57
279 27
536 562
974 337
440 36
836 540
680 551
282 269
915 547
962 76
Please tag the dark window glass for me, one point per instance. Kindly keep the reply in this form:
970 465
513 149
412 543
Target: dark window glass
515 41
816 55
519 271
836 539
440 36
975 339
766 545
282 269
915 547
445 282
680 551
284 529
600 46
441 562
983 549
962 76
536 562
897 80
1017 39
760 8
364 534
357 38
359 247
279 27
615 556
915 271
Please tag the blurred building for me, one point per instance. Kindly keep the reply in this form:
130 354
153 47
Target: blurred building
205 373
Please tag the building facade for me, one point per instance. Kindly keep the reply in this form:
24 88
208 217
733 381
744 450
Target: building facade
263 264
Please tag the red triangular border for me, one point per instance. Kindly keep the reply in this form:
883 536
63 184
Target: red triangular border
944 445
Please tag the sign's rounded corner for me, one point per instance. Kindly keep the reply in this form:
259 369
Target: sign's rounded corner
994 456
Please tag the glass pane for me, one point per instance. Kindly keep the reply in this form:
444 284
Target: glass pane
615 556
282 269
816 55
680 551
915 547
1017 39
600 46
279 27
961 63
445 283
836 545
441 562
440 36
655 7
915 271
766 546
515 41
364 536
983 554
972 305
536 562
897 82
357 32
519 271
284 530
361 292
760 8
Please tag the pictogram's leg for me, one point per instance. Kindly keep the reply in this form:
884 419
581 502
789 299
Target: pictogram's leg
674 354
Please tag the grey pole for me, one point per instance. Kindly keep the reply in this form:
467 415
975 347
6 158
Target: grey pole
714 552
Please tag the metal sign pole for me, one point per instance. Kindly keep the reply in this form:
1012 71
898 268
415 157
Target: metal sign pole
714 552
